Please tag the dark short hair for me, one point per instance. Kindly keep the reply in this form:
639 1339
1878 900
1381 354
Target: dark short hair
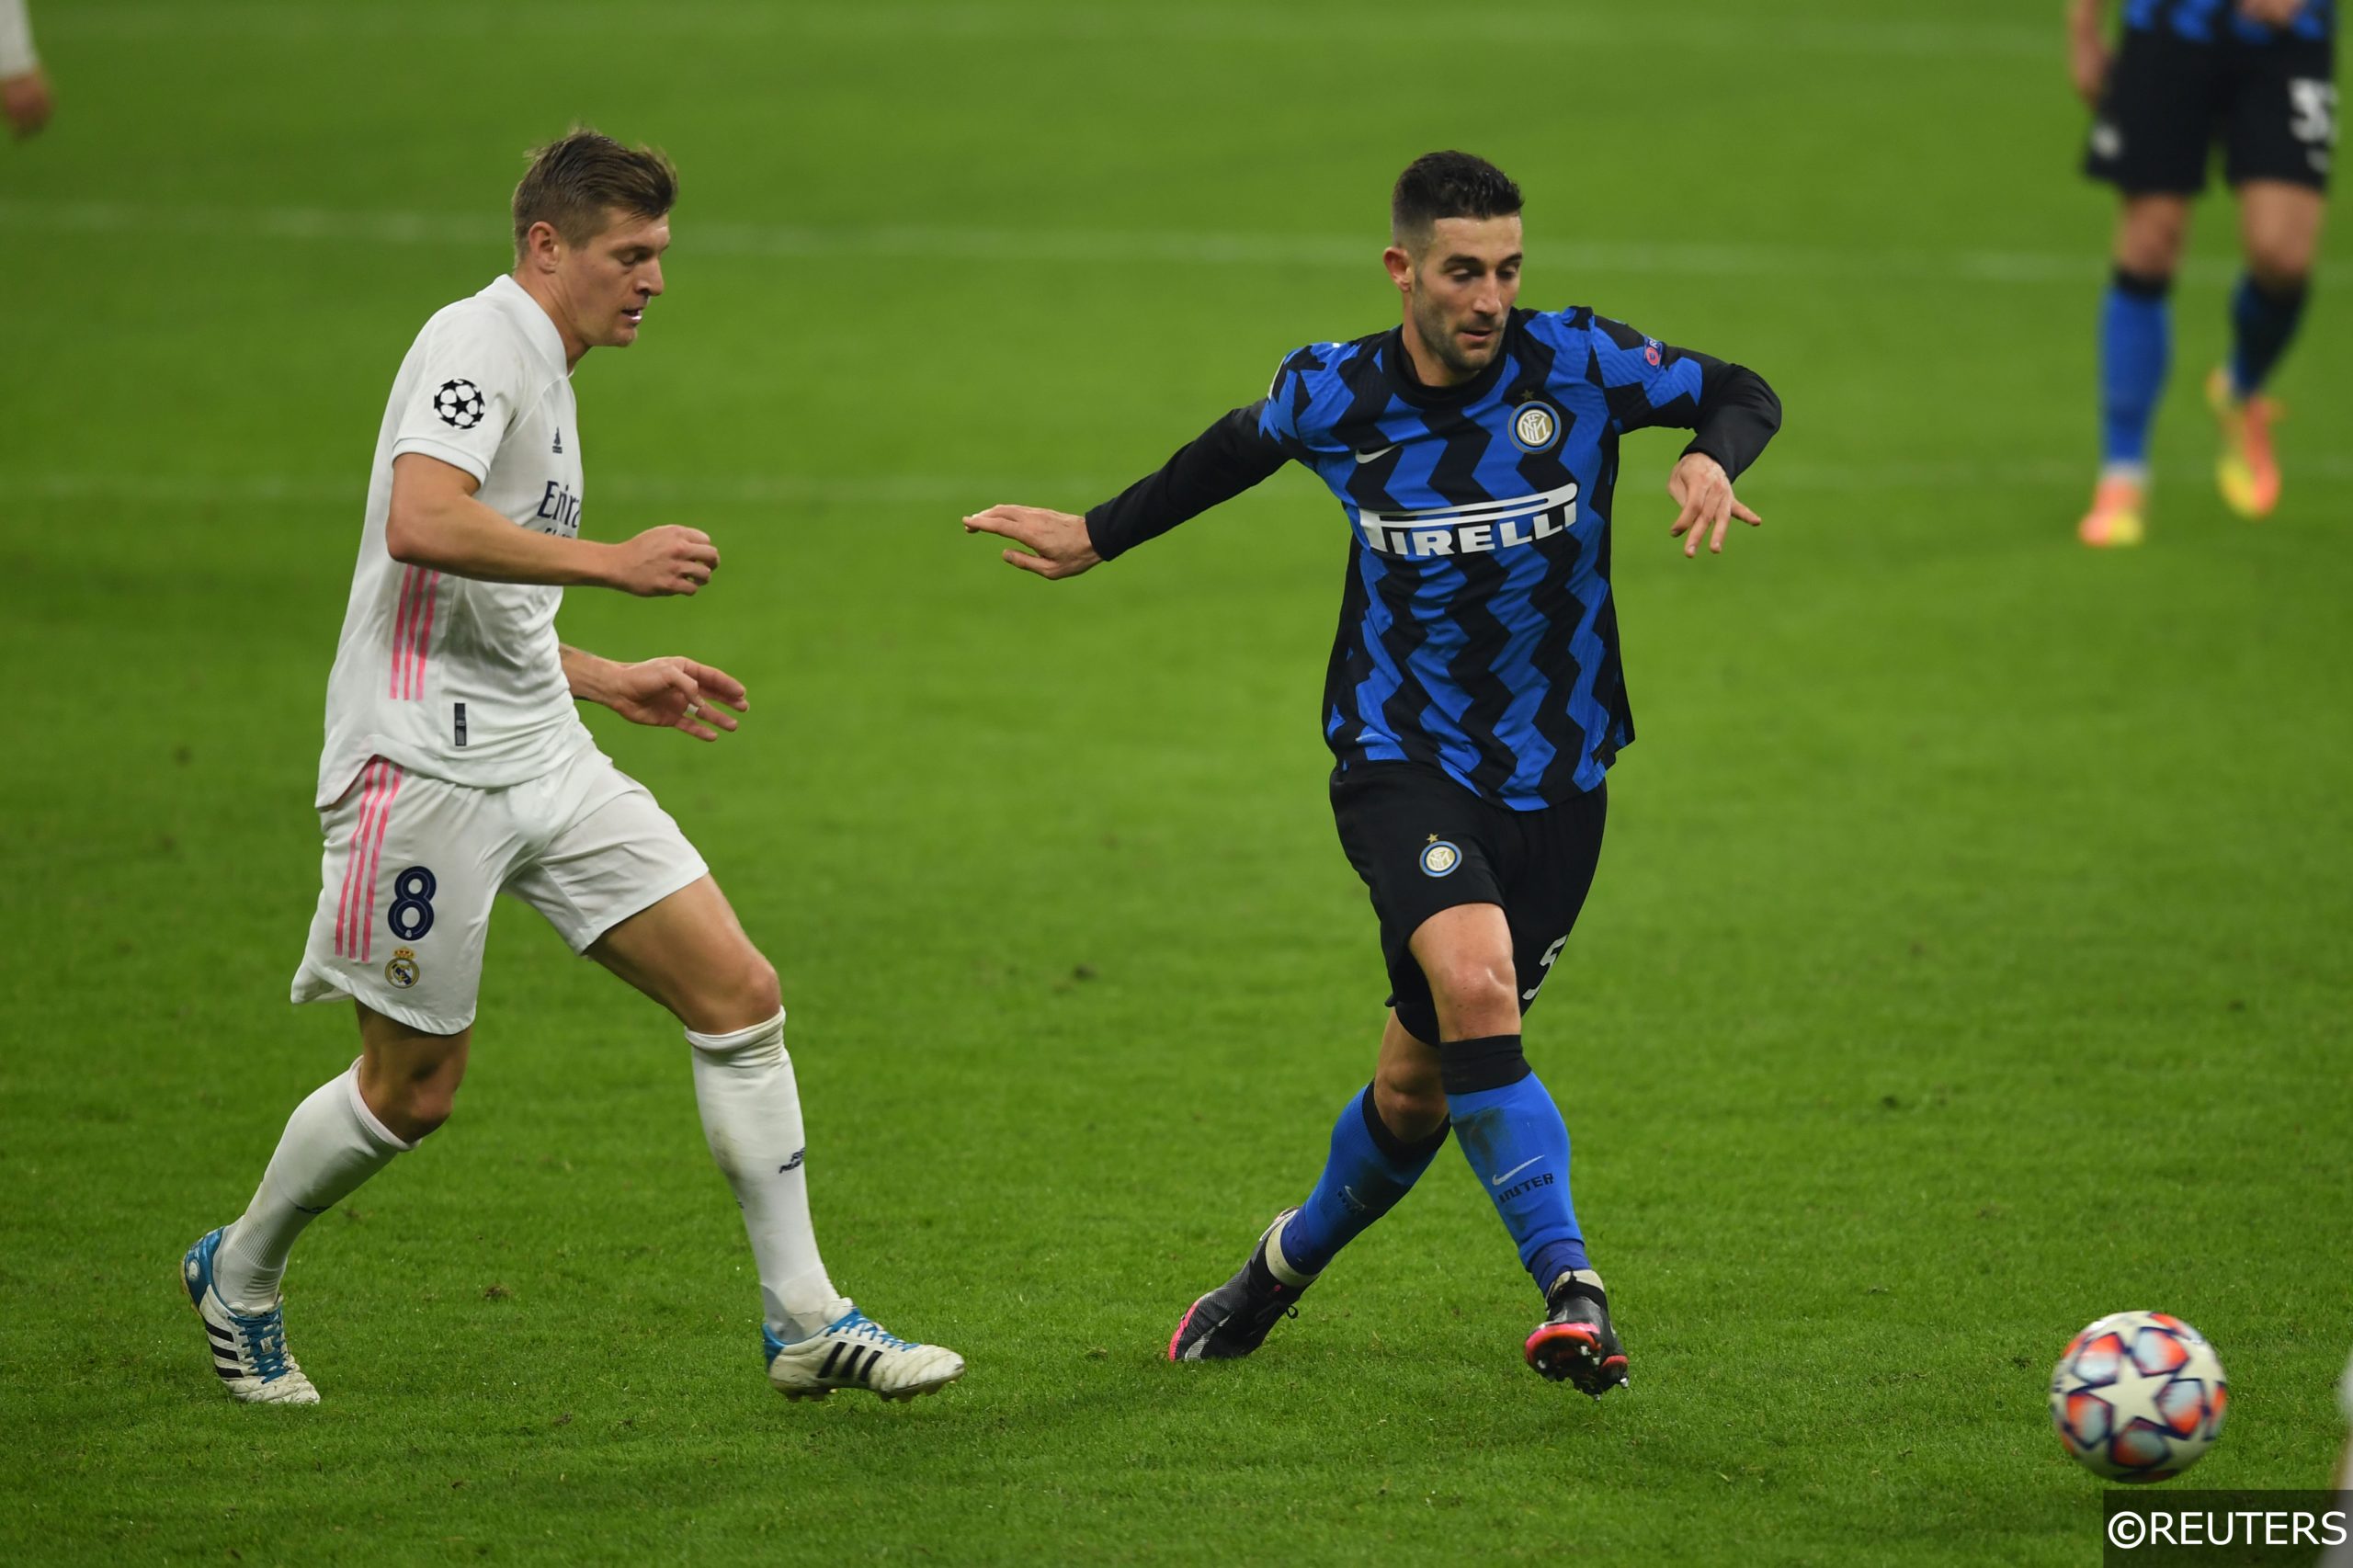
1448 185
575 179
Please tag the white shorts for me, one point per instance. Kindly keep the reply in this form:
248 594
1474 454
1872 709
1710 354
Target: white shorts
412 864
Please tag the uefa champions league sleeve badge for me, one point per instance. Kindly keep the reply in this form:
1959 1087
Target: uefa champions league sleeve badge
460 404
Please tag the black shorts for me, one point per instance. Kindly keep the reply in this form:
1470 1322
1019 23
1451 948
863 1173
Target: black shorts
2272 106
1423 842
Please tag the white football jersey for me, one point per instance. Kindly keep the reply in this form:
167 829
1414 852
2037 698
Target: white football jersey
450 677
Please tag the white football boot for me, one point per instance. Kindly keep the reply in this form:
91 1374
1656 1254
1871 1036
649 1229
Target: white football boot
248 1352
856 1352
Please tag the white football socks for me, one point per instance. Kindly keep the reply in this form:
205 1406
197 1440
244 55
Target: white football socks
332 1143
750 1117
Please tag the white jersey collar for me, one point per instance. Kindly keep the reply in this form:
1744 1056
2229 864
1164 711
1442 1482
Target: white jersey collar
529 314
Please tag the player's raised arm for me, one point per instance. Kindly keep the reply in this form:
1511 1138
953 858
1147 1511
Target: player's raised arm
1731 409
1222 462
436 522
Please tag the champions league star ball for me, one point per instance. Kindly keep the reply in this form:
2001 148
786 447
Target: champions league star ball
2138 1396
458 403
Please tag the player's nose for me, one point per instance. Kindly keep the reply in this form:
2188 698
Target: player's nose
650 284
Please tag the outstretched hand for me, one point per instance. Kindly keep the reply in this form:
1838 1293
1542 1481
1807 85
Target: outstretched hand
1701 487
676 693
1055 543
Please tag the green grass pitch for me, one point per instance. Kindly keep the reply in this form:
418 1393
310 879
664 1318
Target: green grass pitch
1972 954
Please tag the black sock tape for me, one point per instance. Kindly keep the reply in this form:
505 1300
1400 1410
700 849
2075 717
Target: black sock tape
1467 1066
2142 285
2281 296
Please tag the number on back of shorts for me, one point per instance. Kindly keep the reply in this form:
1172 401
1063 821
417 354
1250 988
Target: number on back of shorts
411 915
2313 104
1551 954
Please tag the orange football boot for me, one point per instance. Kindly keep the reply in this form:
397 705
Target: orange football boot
2114 520
2247 472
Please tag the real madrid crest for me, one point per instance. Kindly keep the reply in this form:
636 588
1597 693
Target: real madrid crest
402 969
1535 427
1439 857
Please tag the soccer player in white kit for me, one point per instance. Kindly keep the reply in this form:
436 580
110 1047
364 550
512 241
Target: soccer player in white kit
457 767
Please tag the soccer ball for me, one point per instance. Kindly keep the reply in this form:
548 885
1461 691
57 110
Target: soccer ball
2138 1396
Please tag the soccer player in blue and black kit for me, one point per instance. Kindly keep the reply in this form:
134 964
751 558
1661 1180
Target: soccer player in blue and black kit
1473 703
2259 76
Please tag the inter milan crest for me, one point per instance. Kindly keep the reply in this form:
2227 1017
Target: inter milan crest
1439 857
460 404
1535 427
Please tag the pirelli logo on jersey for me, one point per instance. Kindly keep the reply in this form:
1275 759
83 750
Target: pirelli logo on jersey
1478 529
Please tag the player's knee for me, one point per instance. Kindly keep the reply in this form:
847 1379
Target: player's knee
1476 994
747 993
2280 264
2149 243
414 1105
425 1109
763 994
1410 1101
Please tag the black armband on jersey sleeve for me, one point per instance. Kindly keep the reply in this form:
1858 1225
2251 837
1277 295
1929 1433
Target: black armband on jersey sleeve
1217 465
1738 413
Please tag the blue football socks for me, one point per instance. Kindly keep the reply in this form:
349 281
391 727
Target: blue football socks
1369 1168
1516 1143
2262 321
2135 347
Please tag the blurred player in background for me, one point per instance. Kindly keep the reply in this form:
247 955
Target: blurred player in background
457 768
1474 704
2259 78
24 98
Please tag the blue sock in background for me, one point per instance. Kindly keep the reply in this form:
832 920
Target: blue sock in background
2135 347
2262 321
1368 1169
1515 1140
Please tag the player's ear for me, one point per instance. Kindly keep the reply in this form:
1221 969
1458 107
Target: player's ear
1400 263
542 247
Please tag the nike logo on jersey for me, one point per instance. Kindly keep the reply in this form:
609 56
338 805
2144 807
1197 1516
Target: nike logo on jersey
1478 529
1498 1181
1375 457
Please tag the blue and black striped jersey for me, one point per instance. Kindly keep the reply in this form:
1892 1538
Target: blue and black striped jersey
1477 629
2215 21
